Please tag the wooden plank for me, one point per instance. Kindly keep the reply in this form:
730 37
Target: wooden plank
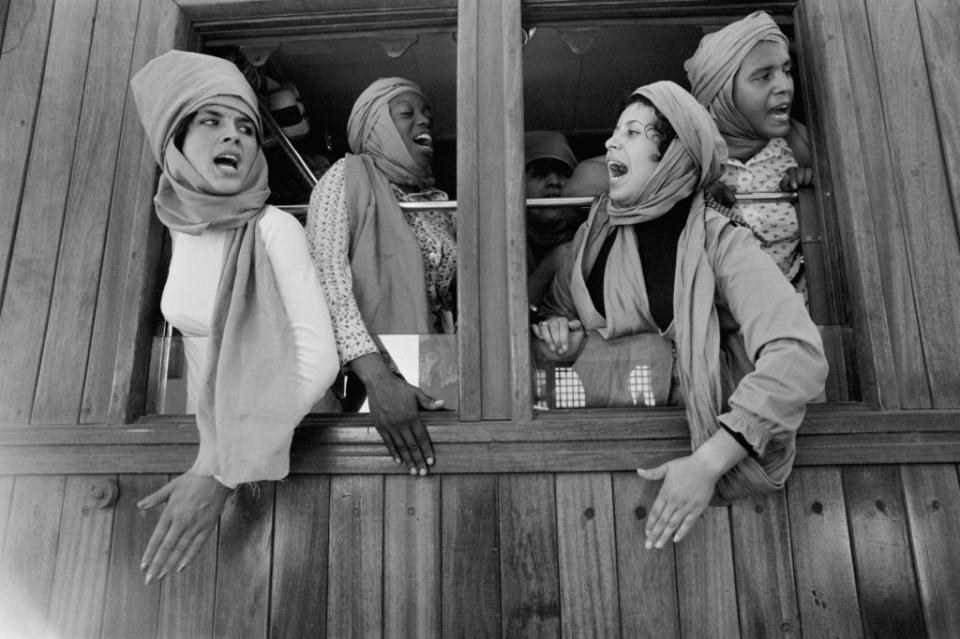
6 497
529 581
826 588
187 599
925 214
129 252
411 557
67 341
243 562
706 586
840 95
30 554
939 20
886 580
33 258
766 590
24 31
470 586
131 609
647 579
82 559
589 597
468 218
932 497
298 593
355 563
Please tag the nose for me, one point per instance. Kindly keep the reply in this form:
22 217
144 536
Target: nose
555 179
784 82
611 142
230 132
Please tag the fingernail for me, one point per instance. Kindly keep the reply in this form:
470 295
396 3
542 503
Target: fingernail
648 545
161 576
146 582
143 566
659 545
676 539
181 567
429 461
397 460
423 472
413 471
438 403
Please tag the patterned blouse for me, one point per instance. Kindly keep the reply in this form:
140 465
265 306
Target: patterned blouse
328 238
773 223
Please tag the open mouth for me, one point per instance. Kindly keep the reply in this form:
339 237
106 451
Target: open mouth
781 111
617 170
424 140
227 161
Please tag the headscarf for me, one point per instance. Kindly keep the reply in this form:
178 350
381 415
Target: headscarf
693 160
711 71
371 130
548 145
244 413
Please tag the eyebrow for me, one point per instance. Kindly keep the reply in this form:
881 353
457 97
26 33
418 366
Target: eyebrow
214 111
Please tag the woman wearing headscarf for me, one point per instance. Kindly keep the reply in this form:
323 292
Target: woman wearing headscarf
241 288
743 75
385 270
659 272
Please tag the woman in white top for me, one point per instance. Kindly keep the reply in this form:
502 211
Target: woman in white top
241 288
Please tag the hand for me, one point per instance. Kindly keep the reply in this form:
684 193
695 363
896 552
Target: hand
795 177
685 494
193 506
722 193
394 406
559 334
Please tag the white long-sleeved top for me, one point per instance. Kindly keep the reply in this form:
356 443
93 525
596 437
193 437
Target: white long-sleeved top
190 292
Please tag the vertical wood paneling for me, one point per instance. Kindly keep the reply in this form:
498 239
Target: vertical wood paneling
298 595
588 571
131 609
411 557
529 582
844 92
67 341
932 496
83 554
706 586
766 585
33 259
470 587
6 495
826 589
647 578
468 209
30 553
939 24
243 563
927 219
881 549
25 28
128 252
187 598
355 586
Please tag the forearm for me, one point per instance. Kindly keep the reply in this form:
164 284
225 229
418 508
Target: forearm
720 453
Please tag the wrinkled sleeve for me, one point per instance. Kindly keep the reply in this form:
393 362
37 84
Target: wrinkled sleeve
782 342
328 239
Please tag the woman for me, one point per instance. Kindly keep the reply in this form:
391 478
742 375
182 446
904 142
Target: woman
382 269
656 264
241 288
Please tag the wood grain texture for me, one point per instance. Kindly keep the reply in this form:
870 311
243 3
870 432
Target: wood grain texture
131 609
881 551
25 32
411 557
766 586
355 561
73 304
298 591
30 554
33 259
6 496
647 579
925 210
706 586
590 603
468 210
939 20
82 559
826 587
841 97
529 582
932 497
470 585
243 562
